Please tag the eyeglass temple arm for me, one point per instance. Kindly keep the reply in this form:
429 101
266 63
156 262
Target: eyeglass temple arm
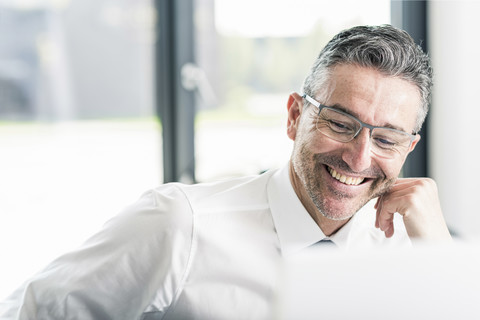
311 100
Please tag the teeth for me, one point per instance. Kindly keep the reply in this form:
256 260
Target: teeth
344 179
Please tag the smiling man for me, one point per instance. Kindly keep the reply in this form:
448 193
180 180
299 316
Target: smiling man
212 251
364 104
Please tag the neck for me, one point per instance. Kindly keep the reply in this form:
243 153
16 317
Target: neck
328 226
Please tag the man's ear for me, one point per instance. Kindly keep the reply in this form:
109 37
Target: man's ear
294 107
414 143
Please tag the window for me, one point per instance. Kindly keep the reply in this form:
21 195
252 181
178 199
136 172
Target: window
78 135
253 55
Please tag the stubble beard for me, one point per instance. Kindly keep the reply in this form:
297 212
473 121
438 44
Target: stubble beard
307 167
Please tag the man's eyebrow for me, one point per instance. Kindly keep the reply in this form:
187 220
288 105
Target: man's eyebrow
339 107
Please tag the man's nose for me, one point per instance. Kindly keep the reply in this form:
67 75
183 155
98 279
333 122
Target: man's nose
357 152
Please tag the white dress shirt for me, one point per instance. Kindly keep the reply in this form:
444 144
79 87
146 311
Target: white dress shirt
205 251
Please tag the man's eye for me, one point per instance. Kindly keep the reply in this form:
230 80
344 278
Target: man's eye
339 126
385 143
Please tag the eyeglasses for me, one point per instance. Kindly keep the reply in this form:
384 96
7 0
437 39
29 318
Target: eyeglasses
343 127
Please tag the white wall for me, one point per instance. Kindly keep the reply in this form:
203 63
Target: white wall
454 34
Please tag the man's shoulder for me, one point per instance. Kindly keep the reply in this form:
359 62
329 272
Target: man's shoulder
175 204
232 192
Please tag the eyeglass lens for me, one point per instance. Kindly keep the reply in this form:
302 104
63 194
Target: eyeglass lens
385 142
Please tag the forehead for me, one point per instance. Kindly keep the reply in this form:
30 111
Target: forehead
373 97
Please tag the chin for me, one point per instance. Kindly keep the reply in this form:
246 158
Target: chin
338 209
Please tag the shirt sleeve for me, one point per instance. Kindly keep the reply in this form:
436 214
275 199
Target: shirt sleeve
140 256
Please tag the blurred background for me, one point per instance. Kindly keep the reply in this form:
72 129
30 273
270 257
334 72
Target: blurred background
101 100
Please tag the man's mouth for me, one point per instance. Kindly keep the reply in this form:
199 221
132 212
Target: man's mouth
352 181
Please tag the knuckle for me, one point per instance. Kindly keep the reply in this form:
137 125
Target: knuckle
426 184
429 184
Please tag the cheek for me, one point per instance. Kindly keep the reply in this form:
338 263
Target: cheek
316 142
391 168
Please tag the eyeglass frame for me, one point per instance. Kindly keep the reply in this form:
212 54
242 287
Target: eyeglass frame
362 124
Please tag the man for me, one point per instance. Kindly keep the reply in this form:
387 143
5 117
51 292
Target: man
211 251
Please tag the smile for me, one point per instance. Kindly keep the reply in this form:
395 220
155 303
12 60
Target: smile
352 181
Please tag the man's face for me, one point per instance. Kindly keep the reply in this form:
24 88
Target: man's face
374 99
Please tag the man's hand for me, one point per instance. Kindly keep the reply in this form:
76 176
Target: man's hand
416 199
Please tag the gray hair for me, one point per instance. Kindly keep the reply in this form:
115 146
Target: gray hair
385 48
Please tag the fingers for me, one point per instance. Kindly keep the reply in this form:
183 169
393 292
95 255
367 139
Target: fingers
389 231
416 199
384 218
398 199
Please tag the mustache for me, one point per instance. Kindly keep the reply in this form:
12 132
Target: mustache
336 162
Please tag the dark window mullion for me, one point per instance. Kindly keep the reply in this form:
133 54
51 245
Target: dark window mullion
175 106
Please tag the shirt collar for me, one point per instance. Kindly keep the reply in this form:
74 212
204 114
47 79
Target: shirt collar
295 227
